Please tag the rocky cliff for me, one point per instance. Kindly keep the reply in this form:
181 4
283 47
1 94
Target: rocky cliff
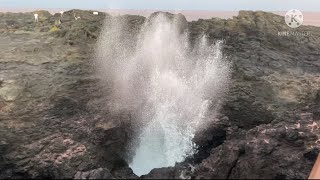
54 124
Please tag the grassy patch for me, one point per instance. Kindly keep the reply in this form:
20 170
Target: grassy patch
54 29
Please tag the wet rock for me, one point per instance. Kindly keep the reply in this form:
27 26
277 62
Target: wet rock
180 171
123 173
208 137
161 173
54 120
312 154
317 98
101 173
46 109
274 84
3 150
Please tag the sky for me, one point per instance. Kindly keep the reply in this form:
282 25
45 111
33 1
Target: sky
221 5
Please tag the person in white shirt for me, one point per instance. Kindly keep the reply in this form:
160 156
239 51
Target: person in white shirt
36 17
76 17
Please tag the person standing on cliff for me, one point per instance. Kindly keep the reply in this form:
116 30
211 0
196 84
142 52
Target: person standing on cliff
36 18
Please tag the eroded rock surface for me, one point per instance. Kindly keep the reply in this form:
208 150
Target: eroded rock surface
54 122
268 127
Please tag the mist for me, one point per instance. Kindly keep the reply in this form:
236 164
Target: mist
171 86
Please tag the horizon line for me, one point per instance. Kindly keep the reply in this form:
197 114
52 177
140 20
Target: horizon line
144 9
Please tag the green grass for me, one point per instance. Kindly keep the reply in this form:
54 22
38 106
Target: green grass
54 29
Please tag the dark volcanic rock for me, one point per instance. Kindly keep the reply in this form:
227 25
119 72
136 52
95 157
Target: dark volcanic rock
94 174
271 105
54 122
275 82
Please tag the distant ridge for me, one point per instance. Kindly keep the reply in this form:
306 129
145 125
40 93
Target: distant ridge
310 18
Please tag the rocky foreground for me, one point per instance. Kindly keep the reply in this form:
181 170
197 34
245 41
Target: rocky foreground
54 122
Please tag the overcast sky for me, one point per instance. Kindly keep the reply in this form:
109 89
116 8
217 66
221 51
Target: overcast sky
223 5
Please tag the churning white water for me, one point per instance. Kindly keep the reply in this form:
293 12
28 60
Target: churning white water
166 83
